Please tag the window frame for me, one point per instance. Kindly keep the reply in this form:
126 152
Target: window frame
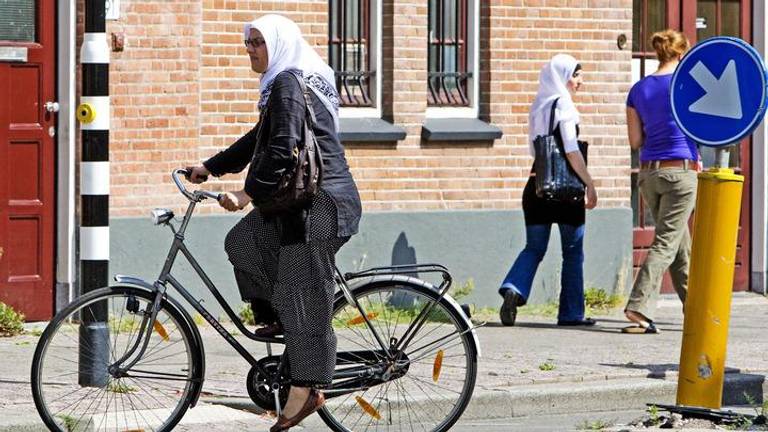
473 68
375 64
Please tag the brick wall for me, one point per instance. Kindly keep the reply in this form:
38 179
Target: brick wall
155 91
183 89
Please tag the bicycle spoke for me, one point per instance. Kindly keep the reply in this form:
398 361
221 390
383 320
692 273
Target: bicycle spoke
152 399
411 401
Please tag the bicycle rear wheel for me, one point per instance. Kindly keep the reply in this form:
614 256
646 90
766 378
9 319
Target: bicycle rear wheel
75 384
431 386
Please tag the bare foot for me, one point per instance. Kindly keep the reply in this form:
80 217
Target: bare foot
638 318
296 399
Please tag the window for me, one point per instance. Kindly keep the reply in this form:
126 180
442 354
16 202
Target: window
352 51
449 53
17 20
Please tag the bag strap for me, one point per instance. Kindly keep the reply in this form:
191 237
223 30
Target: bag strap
310 112
552 117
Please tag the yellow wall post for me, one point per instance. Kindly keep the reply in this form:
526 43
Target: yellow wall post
710 282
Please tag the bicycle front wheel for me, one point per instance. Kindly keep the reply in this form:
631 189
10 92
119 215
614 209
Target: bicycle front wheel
81 378
432 382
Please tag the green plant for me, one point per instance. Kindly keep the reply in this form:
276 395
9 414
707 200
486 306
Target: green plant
11 322
596 298
120 387
547 310
653 414
34 332
69 422
246 315
761 409
463 290
548 365
123 325
594 425
199 320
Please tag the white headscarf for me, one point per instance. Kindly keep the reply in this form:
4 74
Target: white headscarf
287 50
553 80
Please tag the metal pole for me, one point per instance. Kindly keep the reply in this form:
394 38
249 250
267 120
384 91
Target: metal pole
93 114
708 304
722 157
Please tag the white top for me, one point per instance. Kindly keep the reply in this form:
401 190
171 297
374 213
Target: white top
553 80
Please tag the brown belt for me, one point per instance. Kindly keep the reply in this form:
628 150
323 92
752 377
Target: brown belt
670 163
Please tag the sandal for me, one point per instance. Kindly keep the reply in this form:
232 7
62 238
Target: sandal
638 329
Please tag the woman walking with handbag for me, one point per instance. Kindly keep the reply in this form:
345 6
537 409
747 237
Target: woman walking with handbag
559 80
285 259
667 180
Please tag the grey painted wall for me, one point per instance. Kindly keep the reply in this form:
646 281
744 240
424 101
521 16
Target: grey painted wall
480 245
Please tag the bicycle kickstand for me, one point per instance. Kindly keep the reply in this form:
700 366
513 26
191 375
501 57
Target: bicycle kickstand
276 392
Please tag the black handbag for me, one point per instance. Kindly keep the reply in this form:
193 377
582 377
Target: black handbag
555 178
301 183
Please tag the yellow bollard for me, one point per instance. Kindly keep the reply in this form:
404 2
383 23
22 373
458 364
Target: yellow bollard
710 283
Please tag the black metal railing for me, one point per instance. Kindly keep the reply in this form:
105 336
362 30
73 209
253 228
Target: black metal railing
448 53
350 51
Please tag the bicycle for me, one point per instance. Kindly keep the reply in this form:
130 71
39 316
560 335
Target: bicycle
129 357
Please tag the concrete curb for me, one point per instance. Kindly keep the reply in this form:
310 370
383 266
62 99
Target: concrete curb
570 398
519 401
561 398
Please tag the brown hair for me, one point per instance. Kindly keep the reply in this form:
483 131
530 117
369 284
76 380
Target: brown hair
669 45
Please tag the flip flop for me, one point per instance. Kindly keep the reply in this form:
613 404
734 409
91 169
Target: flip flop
636 329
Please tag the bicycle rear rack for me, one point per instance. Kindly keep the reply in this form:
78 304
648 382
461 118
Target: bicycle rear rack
401 270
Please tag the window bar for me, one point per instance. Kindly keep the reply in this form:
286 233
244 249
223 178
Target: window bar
332 39
443 42
362 80
358 48
458 39
359 36
430 59
345 77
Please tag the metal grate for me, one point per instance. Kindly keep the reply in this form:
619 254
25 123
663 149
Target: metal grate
17 20
447 57
349 50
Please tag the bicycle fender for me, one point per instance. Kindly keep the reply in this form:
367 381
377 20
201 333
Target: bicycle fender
138 282
409 280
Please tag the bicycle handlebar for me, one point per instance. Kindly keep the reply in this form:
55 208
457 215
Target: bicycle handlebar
197 195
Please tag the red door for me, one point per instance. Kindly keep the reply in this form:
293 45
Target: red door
27 156
698 19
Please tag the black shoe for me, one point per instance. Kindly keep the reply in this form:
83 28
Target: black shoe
508 312
270 330
586 322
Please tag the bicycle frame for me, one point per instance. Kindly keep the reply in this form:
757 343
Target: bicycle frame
165 278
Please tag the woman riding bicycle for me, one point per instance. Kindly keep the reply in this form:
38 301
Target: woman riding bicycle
288 259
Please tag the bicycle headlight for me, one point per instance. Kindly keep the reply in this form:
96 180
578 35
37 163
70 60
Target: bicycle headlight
161 216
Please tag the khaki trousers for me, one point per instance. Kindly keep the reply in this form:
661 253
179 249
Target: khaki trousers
670 193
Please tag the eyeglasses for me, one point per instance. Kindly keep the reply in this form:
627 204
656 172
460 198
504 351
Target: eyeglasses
255 43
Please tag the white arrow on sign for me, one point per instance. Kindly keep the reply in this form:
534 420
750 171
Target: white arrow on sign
722 98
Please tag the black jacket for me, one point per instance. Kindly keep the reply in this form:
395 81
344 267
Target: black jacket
284 119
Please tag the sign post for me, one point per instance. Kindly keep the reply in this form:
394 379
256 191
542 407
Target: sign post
718 98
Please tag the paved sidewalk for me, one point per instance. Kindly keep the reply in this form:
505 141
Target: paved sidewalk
590 369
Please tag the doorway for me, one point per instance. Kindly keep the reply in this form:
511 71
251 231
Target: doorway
698 19
27 151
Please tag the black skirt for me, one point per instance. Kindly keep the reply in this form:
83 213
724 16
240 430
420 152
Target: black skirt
541 211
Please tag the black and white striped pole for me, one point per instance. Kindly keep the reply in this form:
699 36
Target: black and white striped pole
93 114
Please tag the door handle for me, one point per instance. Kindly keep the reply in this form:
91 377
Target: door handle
52 107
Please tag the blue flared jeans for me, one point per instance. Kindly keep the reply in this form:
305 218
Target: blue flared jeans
520 276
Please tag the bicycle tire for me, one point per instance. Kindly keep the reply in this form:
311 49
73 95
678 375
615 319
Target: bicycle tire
337 411
61 394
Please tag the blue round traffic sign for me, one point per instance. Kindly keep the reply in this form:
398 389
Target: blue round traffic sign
719 92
